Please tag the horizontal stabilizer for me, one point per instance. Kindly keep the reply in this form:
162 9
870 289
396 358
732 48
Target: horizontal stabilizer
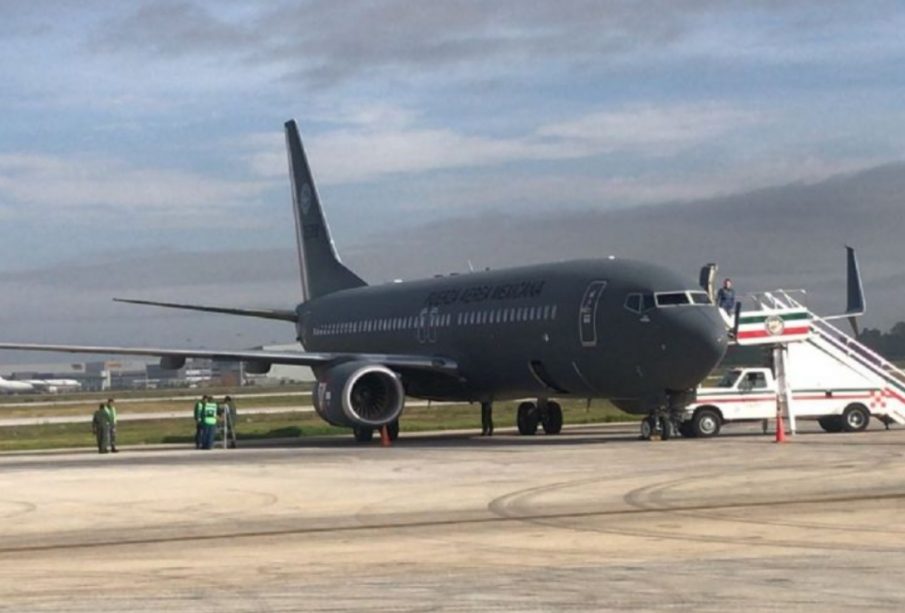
280 314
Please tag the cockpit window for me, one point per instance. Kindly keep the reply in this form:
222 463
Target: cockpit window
633 302
699 297
672 298
638 303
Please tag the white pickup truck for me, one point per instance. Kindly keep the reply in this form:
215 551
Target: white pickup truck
749 394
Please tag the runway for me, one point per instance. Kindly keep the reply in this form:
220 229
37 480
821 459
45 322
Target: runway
590 520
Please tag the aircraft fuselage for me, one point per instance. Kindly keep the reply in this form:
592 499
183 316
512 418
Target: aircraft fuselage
548 330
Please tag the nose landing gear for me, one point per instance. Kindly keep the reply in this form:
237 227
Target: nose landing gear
665 422
659 424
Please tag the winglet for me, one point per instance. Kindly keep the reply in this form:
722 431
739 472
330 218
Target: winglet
854 304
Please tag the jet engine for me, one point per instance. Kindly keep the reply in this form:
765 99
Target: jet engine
359 395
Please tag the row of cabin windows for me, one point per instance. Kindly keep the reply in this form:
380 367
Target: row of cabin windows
414 322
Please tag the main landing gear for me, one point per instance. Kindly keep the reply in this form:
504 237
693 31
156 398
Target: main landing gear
544 413
366 435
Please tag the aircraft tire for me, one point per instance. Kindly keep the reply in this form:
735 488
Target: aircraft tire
527 419
647 430
551 419
363 435
667 429
393 429
831 423
855 418
706 422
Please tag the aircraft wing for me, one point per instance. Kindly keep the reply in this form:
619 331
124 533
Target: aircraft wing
416 362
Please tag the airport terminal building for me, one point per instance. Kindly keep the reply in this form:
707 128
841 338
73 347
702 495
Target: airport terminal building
126 374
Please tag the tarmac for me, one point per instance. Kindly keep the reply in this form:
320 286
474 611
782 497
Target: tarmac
590 520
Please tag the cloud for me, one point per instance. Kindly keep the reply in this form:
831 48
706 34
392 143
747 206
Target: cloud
326 42
374 147
40 184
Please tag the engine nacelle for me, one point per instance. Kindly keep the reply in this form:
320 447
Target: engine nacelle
359 394
257 367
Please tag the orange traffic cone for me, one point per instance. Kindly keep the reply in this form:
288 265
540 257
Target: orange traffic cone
780 429
385 436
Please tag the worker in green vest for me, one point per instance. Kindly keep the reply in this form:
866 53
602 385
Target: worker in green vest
209 423
101 429
110 412
199 421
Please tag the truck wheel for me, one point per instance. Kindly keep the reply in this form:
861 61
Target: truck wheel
855 418
706 422
830 423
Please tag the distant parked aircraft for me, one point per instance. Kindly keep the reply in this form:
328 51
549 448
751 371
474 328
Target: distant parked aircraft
39 385
15 386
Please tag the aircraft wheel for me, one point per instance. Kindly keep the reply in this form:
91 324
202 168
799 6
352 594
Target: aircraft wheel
855 418
831 423
551 419
527 419
647 429
706 423
393 429
363 435
667 429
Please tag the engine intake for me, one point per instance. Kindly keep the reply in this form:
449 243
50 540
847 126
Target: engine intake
359 394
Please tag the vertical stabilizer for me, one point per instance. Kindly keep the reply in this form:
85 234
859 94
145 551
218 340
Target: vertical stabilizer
322 272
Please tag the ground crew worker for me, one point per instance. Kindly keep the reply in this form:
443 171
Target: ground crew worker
199 420
209 423
110 411
228 409
486 419
101 428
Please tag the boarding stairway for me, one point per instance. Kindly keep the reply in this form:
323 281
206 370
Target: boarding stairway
889 401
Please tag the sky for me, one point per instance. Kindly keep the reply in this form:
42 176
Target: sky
142 139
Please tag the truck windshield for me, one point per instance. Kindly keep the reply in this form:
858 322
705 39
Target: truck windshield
729 379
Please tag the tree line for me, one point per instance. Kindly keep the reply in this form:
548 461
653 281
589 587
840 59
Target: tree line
891 344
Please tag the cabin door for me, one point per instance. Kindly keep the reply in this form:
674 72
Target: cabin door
587 313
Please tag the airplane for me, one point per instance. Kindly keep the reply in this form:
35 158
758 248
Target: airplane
629 331
39 385
15 386
55 385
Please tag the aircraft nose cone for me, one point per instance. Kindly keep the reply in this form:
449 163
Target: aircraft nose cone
694 343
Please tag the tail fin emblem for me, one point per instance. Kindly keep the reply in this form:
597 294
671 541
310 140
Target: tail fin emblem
305 198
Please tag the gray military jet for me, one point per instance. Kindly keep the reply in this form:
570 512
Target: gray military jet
626 330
